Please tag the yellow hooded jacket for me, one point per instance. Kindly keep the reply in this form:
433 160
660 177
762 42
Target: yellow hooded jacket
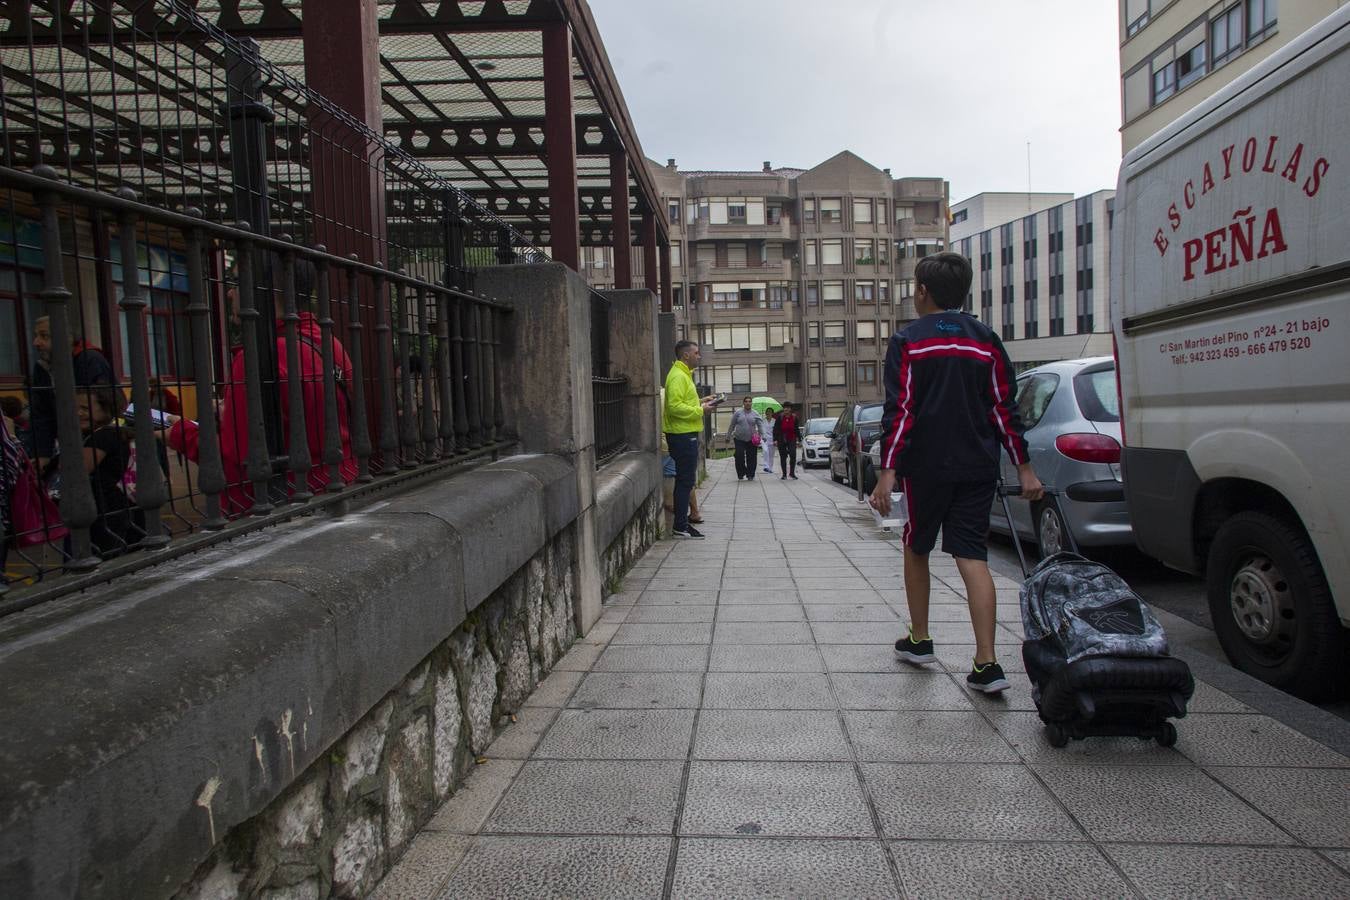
683 413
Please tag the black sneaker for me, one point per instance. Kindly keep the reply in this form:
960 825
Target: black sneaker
988 678
689 532
918 652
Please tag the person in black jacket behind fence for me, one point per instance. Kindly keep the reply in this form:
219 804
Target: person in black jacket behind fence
950 406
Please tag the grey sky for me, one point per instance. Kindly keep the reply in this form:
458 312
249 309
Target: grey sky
950 88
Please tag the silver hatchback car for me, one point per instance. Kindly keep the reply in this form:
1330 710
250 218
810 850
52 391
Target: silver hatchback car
1071 412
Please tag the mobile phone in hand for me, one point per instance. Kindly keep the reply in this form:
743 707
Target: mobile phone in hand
719 399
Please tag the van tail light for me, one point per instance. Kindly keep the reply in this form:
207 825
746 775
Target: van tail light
853 442
1120 389
1090 448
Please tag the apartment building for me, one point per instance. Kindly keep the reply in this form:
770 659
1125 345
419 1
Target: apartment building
1175 53
793 280
1041 265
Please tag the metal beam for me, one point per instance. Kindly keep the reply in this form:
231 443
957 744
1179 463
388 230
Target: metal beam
560 138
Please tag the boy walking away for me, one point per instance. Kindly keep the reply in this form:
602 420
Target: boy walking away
949 408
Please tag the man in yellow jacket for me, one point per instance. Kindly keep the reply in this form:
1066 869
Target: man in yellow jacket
682 420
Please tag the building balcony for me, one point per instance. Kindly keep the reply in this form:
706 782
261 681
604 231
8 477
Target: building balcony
920 189
918 230
703 230
787 353
707 313
750 271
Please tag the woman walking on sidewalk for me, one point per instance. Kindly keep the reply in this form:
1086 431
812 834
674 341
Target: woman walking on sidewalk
766 426
744 430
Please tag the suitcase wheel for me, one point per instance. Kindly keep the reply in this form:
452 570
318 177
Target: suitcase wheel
1059 736
1167 734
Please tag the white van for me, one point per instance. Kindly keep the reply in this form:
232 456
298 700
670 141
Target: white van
1230 291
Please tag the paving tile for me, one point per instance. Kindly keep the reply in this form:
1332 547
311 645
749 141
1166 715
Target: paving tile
519 738
762 633
1239 873
765 658
472 802
762 612
769 735
759 690
958 658
591 867
677 633
667 614
864 658
1209 699
618 734
1156 803
1026 732
638 690
782 584
963 633
809 799
1016 698
961 870
756 595
600 633
849 612
424 867
965 802
591 796
926 736
729 869
580 658
884 633
1221 740
947 612
846 598
848 583
555 689
644 658
1310 804
1339 857
872 690
664 597
686 580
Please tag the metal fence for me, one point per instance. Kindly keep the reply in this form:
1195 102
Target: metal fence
218 329
607 393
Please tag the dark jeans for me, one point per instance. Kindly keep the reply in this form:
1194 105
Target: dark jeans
787 459
747 459
684 450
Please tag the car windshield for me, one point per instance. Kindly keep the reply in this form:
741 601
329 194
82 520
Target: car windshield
870 414
1098 400
819 426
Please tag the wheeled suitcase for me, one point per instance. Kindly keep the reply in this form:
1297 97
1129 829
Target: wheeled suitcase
1096 656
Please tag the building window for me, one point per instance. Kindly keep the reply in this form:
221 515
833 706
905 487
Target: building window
862 212
986 289
863 252
809 211
960 216
836 374
813 375
811 255
834 293
1190 66
832 252
1006 293
1261 20
867 333
834 334
1055 242
1225 36
830 211
903 212
1084 266
1030 284
813 334
673 211
884 291
813 293
676 260
864 291
1136 17
867 373
883 252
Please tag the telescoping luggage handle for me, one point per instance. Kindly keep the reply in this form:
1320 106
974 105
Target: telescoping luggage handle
1004 492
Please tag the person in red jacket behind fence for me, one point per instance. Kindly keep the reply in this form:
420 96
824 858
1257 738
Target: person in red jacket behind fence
238 496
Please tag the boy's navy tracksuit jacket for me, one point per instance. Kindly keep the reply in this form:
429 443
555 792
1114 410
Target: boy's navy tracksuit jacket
950 401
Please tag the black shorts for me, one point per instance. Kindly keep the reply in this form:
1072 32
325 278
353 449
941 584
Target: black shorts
959 508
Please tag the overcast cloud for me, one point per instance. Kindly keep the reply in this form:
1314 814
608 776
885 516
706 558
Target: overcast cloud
950 88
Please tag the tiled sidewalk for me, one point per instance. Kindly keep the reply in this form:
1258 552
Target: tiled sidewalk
737 726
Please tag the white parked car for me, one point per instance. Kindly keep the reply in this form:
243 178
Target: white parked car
816 442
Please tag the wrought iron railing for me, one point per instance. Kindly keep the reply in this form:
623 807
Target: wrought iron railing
610 436
186 227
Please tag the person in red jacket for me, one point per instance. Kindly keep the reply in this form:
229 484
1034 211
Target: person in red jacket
238 496
786 435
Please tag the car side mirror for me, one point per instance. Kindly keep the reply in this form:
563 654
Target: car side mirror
830 435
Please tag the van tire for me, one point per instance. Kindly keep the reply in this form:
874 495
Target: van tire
1292 637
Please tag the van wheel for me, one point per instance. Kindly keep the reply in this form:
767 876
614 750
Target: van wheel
1272 608
1051 529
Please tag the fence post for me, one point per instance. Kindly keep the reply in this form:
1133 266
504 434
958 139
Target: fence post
332 431
359 427
300 462
210 473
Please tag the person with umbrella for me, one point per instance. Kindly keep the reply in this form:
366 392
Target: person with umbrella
768 408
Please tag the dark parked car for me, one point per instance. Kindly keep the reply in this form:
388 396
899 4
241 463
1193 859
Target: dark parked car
855 430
